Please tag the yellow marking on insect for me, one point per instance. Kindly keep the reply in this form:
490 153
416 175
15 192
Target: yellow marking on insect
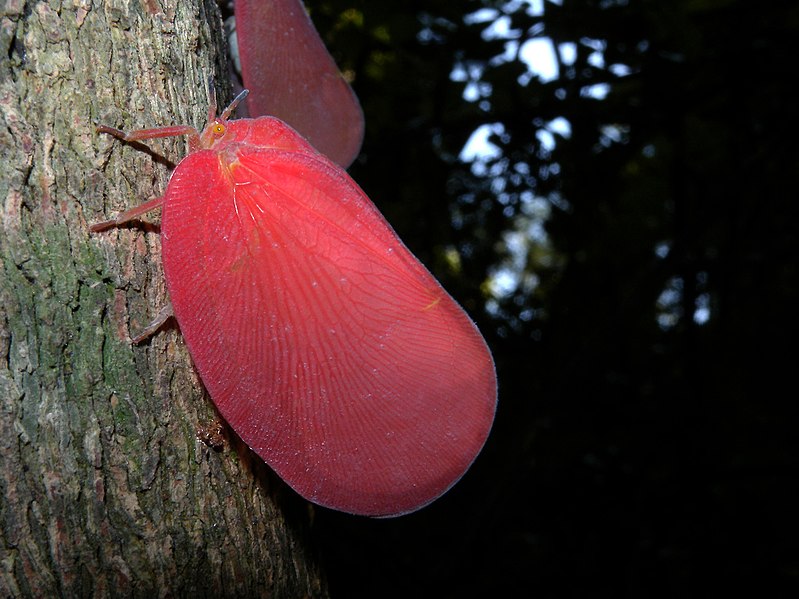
432 304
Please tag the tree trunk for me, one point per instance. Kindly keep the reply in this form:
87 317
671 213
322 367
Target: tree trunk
105 488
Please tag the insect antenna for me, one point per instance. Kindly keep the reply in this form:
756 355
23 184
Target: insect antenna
226 113
211 100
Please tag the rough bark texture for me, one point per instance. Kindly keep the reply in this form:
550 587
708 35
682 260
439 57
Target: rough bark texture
105 489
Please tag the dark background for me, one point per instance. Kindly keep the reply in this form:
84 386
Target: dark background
645 443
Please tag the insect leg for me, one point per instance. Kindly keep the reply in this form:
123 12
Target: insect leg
151 329
142 134
128 215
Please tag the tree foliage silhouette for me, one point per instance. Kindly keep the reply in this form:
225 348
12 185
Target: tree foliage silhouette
641 436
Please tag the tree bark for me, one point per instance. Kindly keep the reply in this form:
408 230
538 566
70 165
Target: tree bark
105 489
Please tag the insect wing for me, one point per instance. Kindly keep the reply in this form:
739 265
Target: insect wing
322 340
291 75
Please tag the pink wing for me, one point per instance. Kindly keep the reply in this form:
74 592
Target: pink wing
291 75
324 343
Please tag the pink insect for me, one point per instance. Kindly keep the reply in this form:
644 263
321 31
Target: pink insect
325 344
293 77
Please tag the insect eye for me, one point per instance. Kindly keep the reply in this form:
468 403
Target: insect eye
219 129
